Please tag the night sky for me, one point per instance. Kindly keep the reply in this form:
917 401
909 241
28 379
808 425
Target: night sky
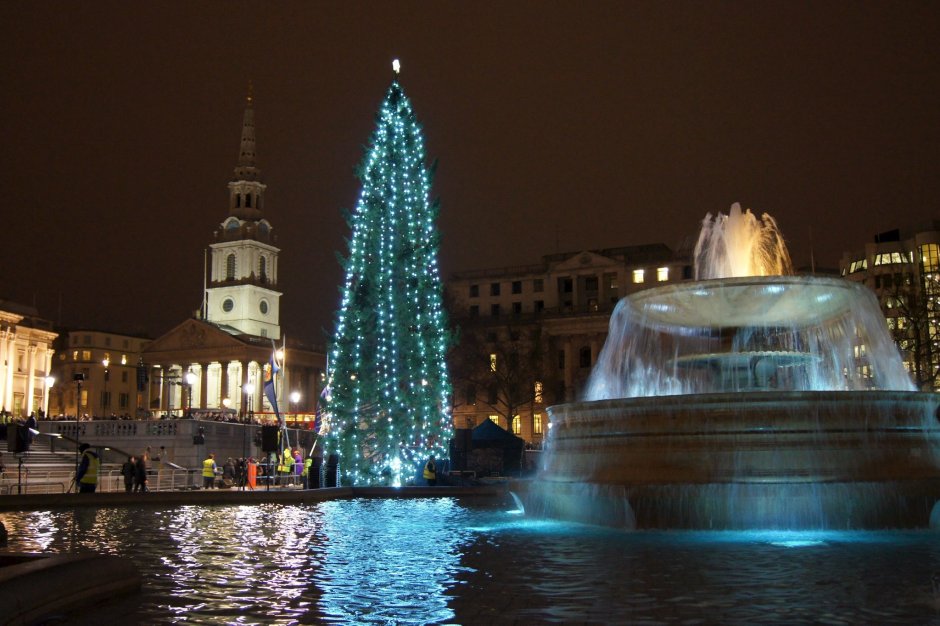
558 127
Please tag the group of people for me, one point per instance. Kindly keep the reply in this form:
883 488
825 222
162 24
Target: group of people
134 471
281 469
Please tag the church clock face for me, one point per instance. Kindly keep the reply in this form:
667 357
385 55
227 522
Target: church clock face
228 304
263 307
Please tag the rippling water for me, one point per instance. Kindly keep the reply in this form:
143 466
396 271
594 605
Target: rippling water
430 561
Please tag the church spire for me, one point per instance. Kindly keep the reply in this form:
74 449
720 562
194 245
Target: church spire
247 168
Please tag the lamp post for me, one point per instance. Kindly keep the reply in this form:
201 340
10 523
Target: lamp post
190 381
294 399
50 381
105 397
250 392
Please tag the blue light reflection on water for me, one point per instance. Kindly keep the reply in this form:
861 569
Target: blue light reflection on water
440 561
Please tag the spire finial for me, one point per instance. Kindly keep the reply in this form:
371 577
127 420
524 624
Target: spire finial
396 66
251 93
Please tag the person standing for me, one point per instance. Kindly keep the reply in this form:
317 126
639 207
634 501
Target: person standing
208 472
87 475
140 474
430 472
129 471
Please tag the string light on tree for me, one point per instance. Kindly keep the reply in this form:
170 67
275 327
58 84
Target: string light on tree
388 397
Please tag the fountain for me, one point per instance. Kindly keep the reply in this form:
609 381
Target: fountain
749 398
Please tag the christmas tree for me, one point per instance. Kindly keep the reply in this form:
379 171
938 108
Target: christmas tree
388 394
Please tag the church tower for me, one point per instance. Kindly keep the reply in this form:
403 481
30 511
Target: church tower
242 290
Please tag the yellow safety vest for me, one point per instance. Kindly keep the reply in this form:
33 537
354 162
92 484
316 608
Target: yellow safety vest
286 461
429 473
208 468
91 474
307 463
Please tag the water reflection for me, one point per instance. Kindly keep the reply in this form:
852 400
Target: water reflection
440 561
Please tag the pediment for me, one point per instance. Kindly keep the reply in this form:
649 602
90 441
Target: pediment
194 335
583 261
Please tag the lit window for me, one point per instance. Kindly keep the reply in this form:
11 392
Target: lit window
86 355
123 359
537 424
930 256
638 276
493 362
662 274
516 424
538 391
75 355
494 419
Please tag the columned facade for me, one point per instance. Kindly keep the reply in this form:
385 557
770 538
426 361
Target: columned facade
25 360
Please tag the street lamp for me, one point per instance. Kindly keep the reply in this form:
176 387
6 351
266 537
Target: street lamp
250 392
190 381
294 399
106 398
50 381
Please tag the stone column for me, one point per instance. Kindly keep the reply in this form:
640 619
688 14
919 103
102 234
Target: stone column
223 384
30 377
203 375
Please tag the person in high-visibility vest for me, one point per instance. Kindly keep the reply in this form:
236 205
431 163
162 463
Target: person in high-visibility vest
305 474
286 464
208 472
430 472
87 475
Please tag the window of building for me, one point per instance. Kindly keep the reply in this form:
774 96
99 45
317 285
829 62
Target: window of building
124 376
536 423
517 286
264 332
538 285
516 424
494 419
584 356
87 340
494 289
639 276
471 395
107 341
561 359
517 308
230 267
74 355
126 344
106 399
124 400
493 362
662 274
492 395
494 310
227 305
566 285
474 310
248 200
858 266
263 269
238 201
930 257
474 291
86 355
263 307
538 391
539 306
590 283
74 340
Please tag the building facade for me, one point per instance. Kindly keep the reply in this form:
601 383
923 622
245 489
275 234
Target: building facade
530 335
903 269
26 351
96 374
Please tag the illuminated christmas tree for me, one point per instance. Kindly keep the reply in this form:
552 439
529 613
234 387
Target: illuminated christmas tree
388 401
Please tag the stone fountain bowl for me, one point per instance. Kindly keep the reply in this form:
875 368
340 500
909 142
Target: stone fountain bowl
759 301
801 459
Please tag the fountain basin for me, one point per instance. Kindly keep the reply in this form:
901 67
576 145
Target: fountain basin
781 459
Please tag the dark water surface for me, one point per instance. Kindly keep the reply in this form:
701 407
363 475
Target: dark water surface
431 561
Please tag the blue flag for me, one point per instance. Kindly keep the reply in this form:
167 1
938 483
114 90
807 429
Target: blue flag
270 369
